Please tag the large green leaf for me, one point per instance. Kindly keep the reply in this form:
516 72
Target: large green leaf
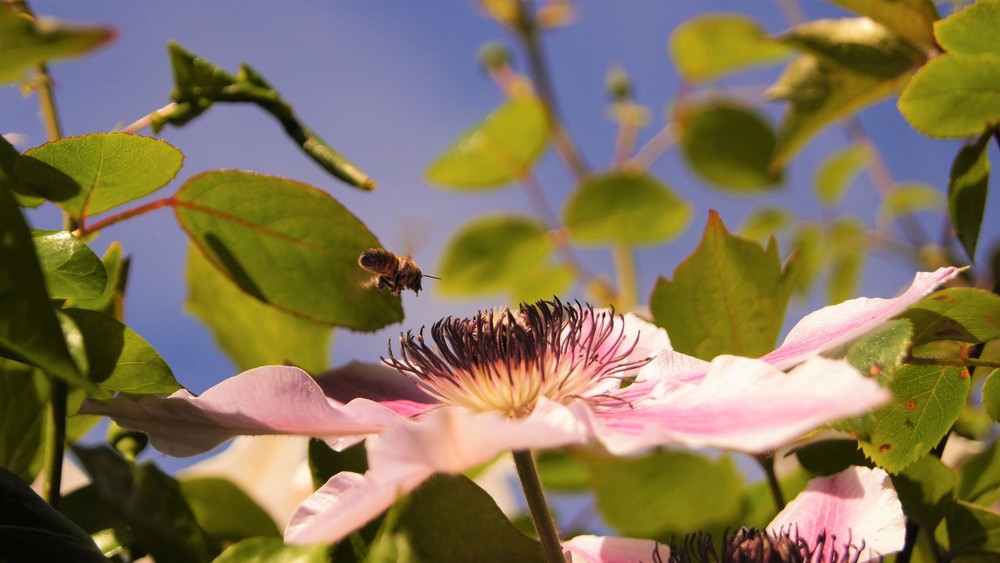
26 197
962 314
624 207
94 173
110 300
835 173
847 247
287 244
496 151
926 489
913 19
954 96
727 297
980 474
24 398
973 533
730 146
909 197
252 333
26 41
972 31
968 184
991 395
70 267
272 550
224 511
708 46
858 44
827 457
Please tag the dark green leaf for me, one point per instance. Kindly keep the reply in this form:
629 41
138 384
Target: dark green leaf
909 197
624 207
980 474
325 463
730 146
926 489
958 314
562 471
830 456
954 96
26 42
971 31
991 395
968 184
288 245
224 511
766 222
708 46
272 550
252 333
25 196
110 300
857 44
70 267
24 397
913 19
973 533
728 297
835 174
496 151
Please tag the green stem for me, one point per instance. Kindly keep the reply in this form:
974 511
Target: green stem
54 441
545 526
766 461
624 261
959 362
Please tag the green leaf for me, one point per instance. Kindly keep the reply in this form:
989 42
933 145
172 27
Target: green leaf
728 297
624 207
954 96
561 471
29 329
926 490
828 457
252 333
666 493
971 31
968 184
913 19
119 359
224 511
758 501
496 151
272 550
70 267
325 462
110 300
25 196
542 283
960 314
836 173
765 222
730 146
94 173
991 395
847 242
24 398
909 197
980 475
926 402
973 533
819 93
287 244
26 42
808 244
708 46
857 44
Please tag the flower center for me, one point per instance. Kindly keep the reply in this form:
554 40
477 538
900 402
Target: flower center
505 360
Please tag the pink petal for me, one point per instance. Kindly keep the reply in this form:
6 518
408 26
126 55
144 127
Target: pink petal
264 400
599 549
857 504
835 325
741 404
376 382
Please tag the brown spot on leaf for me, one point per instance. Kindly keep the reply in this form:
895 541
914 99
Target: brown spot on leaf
910 405
942 297
965 373
875 369
885 447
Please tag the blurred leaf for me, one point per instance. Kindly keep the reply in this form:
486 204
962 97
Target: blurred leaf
848 249
325 462
827 457
26 42
224 511
29 329
251 333
807 244
962 314
561 471
666 493
24 398
110 300
836 173
973 533
94 173
730 146
272 550
980 474
968 184
991 395
708 46
926 489
31 530
758 501
913 19
70 267
287 244
728 297
766 222
954 96
857 44
119 359
909 197
624 207
542 283
971 31
26 197
926 402
496 151
818 94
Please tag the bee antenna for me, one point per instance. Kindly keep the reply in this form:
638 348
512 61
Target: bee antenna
432 277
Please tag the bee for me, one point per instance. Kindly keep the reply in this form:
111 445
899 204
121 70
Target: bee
392 273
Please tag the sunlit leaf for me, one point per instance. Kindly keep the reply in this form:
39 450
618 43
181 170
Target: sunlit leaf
542 283
848 250
70 267
710 45
968 185
562 471
91 174
858 44
26 41
835 173
250 332
287 244
727 297
910 197
272 550
962 314
623 207
730 146
913 19
110 300
972 31
991 395
954 96
496 151
808 242
225 511
762 223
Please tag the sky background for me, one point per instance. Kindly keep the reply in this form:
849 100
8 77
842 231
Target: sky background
390 84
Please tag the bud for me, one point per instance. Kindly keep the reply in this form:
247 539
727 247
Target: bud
555 13
493 56
618 84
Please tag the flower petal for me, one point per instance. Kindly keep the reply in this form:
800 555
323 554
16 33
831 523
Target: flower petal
600 549
835 325
376 382
855 505
741 404
264 400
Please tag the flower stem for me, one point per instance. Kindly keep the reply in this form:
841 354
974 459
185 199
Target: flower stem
56 437
766 461
545 526
624 262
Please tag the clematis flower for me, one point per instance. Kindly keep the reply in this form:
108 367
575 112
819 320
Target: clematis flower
854 516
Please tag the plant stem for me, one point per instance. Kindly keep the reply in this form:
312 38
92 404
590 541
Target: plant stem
958 362
766 461
545 526
127 214
624 261
54 440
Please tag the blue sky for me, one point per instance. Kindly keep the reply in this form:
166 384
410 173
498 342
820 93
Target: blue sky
390 84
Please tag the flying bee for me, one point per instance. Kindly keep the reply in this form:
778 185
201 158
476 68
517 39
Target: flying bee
392 273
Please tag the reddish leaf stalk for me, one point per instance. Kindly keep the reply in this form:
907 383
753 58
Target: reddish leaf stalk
85 230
